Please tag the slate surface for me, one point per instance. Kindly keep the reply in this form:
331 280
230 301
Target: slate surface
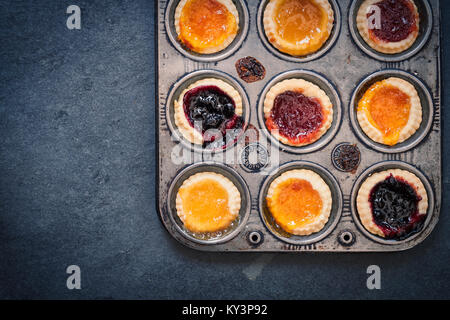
77 177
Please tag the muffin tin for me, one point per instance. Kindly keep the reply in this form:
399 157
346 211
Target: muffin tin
343 68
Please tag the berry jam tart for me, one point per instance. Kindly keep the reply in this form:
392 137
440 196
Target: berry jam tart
392 204
297 112
388 26
209 113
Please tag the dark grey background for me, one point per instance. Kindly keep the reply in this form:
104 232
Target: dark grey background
77 177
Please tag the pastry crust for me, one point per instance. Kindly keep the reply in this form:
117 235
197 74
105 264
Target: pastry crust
319 185
309 90
234 202
363 204
378 44
209 50
296 49
415 113
189 133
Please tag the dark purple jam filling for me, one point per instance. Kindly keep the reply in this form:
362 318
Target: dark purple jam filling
397 20
296 115
212 112
394 205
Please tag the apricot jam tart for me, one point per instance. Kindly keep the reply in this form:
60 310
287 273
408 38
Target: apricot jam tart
298 27
300 202
388 26
297 112
208 202
209 112
390 111
392 204
206 26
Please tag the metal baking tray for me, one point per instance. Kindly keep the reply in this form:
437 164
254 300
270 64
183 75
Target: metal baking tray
343 68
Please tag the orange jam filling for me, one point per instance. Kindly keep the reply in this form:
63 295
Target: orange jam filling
295 204
205 205
302 23
206 24
387 108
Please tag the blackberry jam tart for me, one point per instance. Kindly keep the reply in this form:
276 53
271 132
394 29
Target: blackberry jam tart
392 204
209 113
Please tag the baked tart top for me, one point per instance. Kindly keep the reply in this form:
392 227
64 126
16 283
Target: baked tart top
209 113
208 202
300 202
298 27
390 111
206 26
392 204
297 112
397 28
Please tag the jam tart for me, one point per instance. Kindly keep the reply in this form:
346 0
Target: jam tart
298 27
397 28
208 202
392 204
300 202
206 26
209 108
390 111
297 112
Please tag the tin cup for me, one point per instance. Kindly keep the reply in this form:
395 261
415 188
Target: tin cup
412 239
236 226
426 101
214 57
335 214
425 28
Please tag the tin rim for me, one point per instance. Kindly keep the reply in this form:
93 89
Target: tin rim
425 28
387 165
230 174
324 84
336 210
171 32
182 84
335 32
426 101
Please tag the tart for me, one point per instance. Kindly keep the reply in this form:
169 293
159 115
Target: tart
392 204
209 113
300 202
396 29
206 26
297 112
390 111
208 202
298 27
